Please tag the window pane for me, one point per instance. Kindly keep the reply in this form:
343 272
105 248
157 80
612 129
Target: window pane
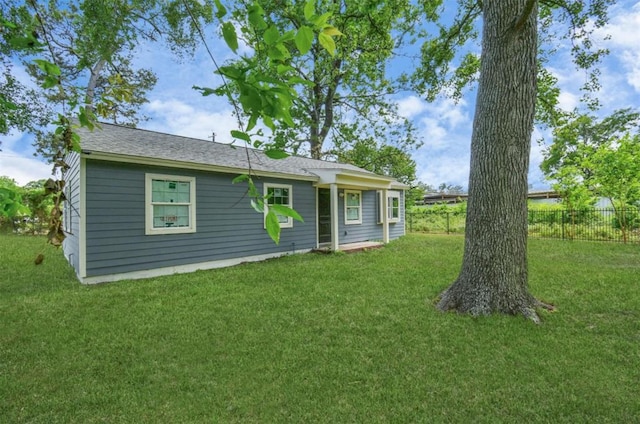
283 219
278 196
166 191
353 214
393 207
170 216
353 199
183 198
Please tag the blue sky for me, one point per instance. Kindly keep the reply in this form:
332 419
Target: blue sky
445 126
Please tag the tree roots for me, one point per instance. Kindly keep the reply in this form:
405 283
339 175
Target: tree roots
477 306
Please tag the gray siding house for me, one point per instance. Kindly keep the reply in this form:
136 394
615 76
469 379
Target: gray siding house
143 204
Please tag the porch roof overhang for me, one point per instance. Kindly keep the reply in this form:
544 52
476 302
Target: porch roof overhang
357 180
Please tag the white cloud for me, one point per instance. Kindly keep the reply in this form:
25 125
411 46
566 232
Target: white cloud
453 114
411 106
625 39
623 26
434 135
568 101
21 168
452 169
176 117
10 141
631 61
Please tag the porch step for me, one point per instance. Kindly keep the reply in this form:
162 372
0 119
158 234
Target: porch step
353 247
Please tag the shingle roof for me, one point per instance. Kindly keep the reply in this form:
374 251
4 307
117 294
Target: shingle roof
132 142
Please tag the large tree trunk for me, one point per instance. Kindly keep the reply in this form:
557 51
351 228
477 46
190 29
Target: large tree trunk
493 277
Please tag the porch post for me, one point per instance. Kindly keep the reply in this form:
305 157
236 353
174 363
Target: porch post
385 216
335 242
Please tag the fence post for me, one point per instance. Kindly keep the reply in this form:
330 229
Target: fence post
562 220
410 221
447 222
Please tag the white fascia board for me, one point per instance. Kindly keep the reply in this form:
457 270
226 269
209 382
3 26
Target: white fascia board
352 179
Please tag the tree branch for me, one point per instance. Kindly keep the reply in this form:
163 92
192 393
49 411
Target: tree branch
526 13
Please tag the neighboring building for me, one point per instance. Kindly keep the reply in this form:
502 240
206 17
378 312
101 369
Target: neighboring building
143 203
542 196
444 198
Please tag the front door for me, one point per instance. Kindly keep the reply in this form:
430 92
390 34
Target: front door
324 215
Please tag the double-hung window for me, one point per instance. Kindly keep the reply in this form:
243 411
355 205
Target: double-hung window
279 194
393 206
390 206
170 204
352 207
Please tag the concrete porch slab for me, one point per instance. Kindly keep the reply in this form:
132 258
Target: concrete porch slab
353 247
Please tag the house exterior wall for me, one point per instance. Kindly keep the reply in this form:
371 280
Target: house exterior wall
226 225
71 212
370 229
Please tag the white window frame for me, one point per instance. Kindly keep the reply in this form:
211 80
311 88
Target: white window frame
385 206
390 196
149 204
352 221
266 187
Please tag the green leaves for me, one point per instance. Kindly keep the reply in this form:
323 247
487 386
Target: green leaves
327 42
276 153
256 16
271 35
51 71
229 35
221 11
263 87
591 157
241 135
11 202
272 213
272 223
286 211
304 39
309 9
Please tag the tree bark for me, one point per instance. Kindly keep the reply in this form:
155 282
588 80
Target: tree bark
493 278
91 85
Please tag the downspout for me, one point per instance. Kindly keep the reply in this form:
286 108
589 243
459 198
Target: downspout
335 242
385 216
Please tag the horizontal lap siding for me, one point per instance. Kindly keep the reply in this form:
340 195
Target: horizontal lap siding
71 244
370 229
226 225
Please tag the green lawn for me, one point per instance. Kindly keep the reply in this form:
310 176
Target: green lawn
319 338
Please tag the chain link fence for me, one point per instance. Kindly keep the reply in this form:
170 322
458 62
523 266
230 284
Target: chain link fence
614 225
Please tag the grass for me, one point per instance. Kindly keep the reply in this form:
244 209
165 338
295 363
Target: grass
319 338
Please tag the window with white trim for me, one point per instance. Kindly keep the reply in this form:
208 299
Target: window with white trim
352 207
391 207
170 204
279 194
